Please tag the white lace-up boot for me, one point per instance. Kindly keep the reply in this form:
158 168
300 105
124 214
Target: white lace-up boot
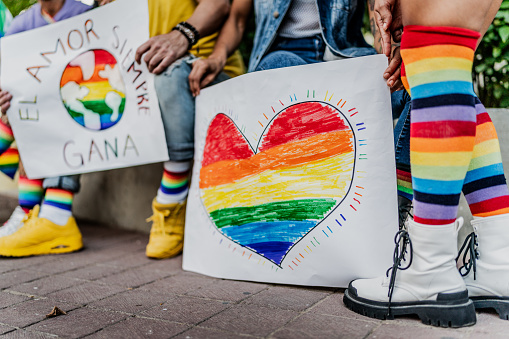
487 276
427 281
14 223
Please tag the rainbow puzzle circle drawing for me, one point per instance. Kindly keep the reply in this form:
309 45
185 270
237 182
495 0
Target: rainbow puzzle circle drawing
269 197
93 91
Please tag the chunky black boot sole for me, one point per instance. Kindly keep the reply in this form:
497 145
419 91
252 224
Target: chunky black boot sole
449 310
499 304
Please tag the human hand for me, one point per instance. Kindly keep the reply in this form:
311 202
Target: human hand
162 50
393 73
5 101
389 21
203 72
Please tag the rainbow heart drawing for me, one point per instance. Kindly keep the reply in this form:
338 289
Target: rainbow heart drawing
269 197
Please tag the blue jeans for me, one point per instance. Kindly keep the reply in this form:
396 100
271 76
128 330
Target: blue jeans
402 103
293 52
68 183
177 107
297 52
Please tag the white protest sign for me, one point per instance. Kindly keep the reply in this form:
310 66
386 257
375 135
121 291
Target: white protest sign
80 102
294 179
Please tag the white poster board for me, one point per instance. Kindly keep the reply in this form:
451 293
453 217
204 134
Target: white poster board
80 102
294 179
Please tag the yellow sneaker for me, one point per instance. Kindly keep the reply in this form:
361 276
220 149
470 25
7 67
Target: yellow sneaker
40 236
167 233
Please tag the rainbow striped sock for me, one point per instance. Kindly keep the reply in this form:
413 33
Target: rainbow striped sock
57 205
175 183
9 162
6 137
485 186
438 62
30 193
404 181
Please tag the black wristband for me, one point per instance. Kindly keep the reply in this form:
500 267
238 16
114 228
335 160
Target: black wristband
189 31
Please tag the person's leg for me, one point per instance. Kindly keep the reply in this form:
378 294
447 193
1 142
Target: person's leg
438 62
401 102
9 162
6 137
49 229
485 188
280 59
178 113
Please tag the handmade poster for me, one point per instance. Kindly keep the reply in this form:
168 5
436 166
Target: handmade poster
80 101
294 179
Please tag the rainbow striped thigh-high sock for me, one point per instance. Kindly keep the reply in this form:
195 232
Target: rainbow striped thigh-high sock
30 193
438 63
485 186
175 183
57 206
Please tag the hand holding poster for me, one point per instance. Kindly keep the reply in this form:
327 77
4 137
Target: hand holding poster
80 101
294 179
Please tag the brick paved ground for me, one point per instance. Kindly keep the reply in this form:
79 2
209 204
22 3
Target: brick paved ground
111 290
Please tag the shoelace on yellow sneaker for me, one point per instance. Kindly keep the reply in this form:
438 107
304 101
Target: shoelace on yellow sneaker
158 217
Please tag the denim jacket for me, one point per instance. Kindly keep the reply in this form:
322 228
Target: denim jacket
340 22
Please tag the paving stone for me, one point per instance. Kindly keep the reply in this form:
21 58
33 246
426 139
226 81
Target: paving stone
17 277
130 261
325 326
140 328
4 329
134 301
22 334
288 298
25 262
179 284
65 262
172 266
8 299
5 267
86 293
78 323
186 309
393 330
201 332
47 285
488 321
228 290
31 312
250 319
92 272
134 277
333 305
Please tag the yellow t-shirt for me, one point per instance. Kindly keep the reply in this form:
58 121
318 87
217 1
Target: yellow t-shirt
166 14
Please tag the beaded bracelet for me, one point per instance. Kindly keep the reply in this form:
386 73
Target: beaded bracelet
189 31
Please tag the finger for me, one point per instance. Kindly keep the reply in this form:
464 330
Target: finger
152 59
195 76
165 62
5 107
207 80
394 77
381 21
394 65
142 50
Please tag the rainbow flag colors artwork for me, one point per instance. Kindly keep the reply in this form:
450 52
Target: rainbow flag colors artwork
9 161
267 198
93 90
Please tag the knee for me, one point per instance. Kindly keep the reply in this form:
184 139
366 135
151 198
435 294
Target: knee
280 59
